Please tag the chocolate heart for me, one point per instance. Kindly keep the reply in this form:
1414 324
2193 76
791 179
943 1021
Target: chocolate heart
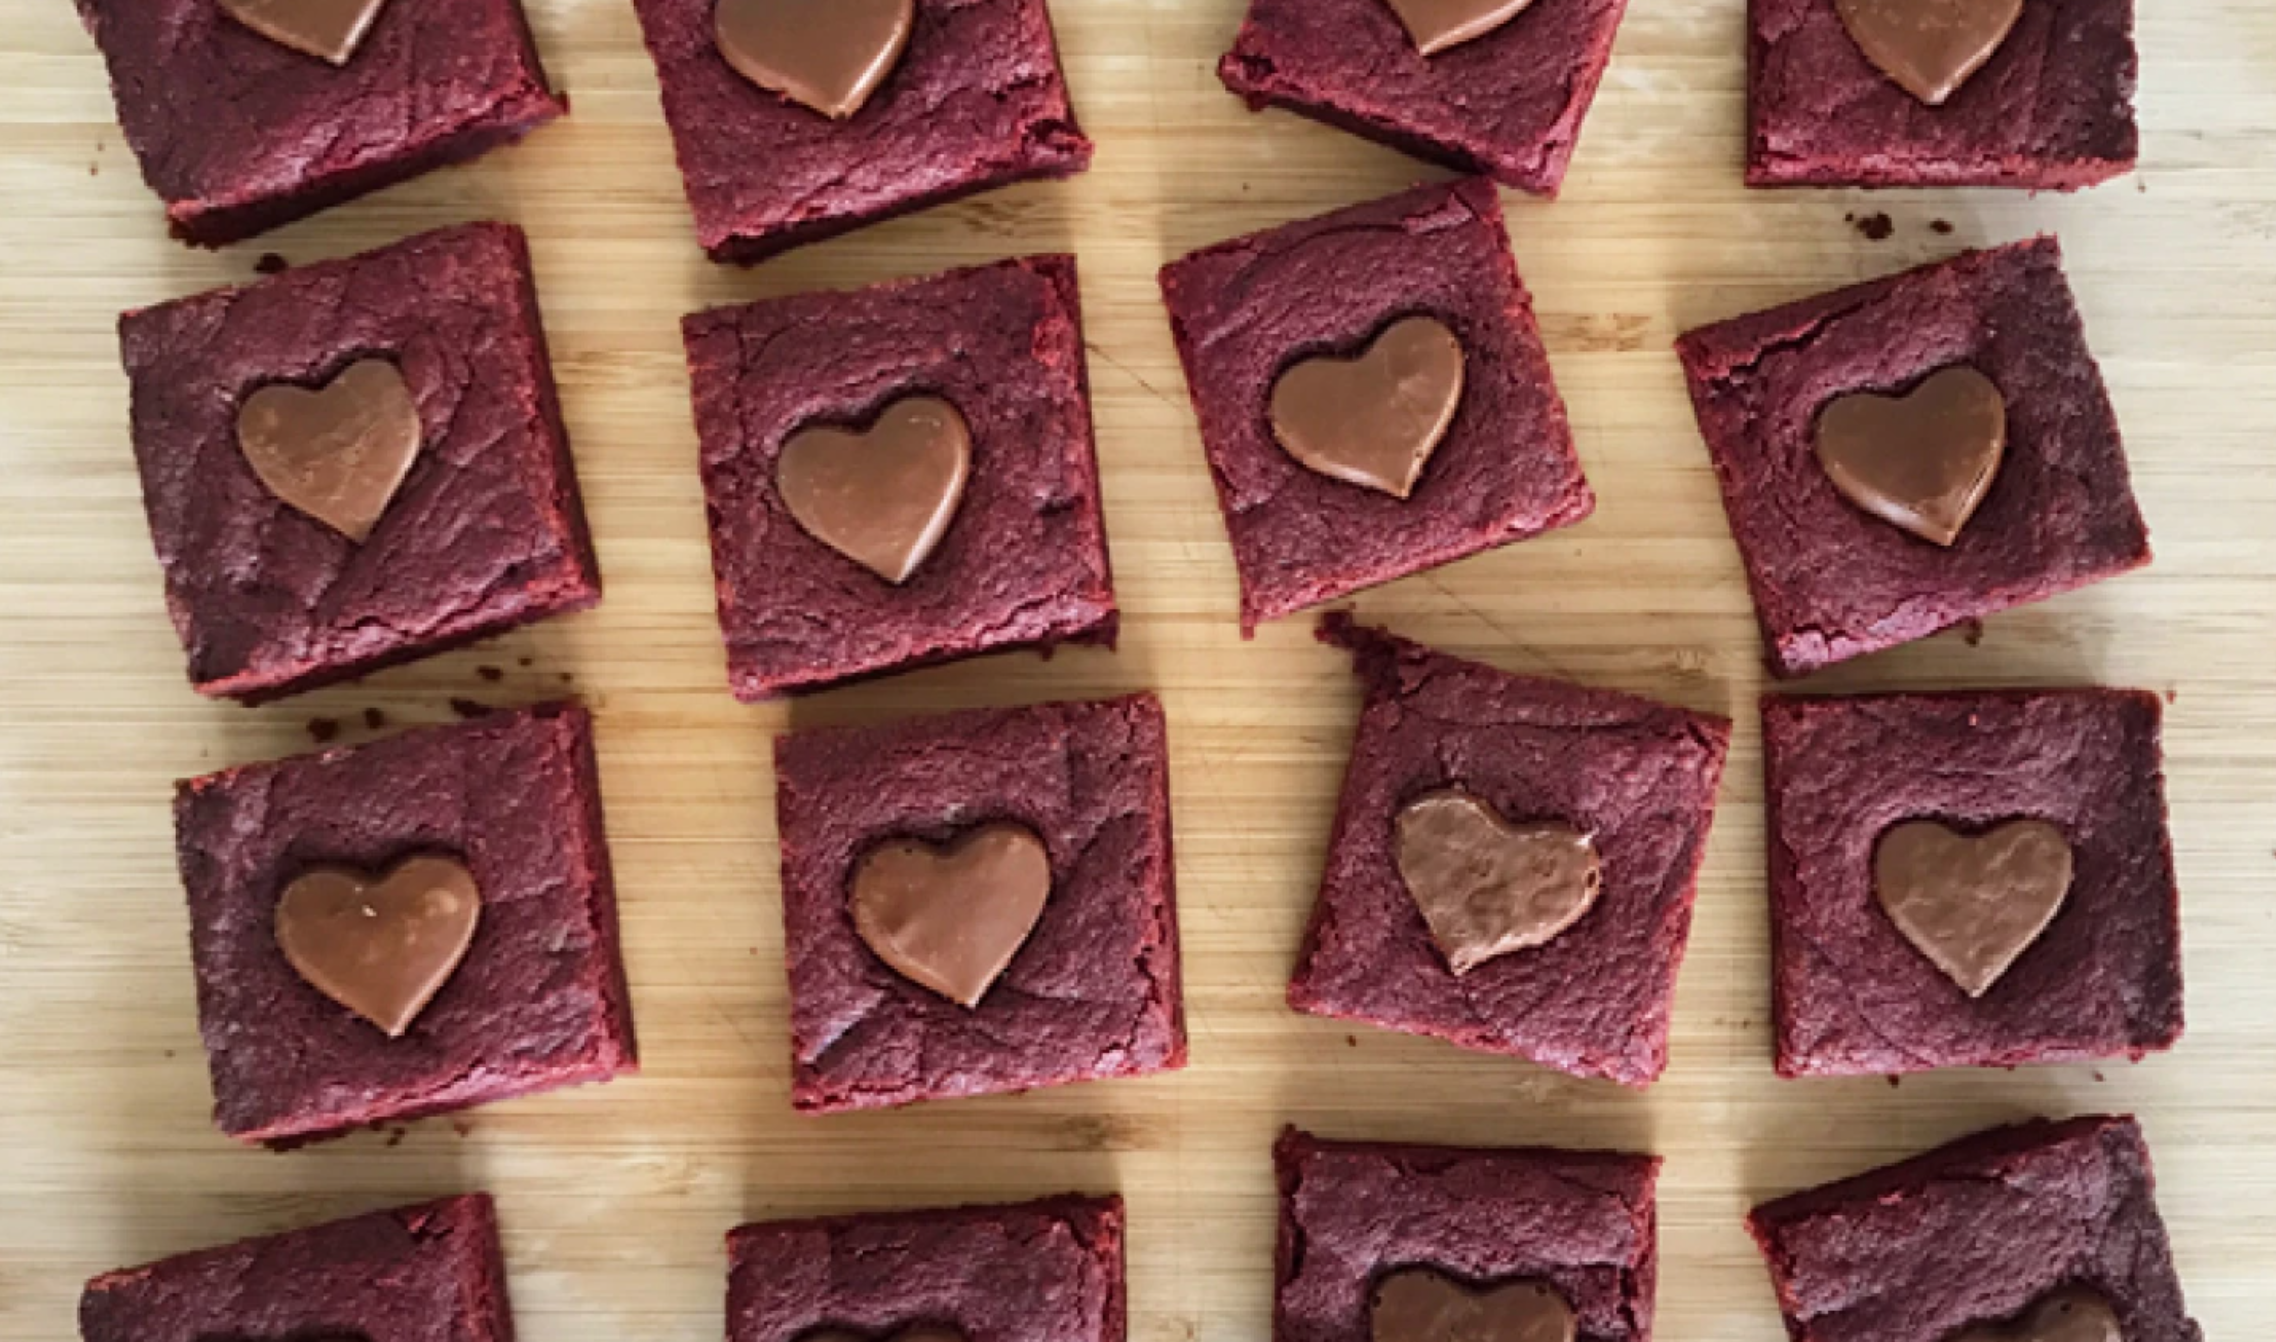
952 918
339 453
828 54
1375 419
329 30
1929 47
1418 1305
381 948
883 497
1922 461
1487 887
1436 25
2073 1314
1972 903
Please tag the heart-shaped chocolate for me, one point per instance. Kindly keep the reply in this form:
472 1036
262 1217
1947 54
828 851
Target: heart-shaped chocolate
882 497
329 30
952 918
338 453
381 948
1972 903
2073 1314
827 54
1487 887
1373 419
1419 1305
1436 25
1922 461
1929 47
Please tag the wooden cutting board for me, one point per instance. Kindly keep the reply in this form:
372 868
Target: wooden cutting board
614 1198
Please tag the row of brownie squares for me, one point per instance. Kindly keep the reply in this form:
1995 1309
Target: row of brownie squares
2042 1230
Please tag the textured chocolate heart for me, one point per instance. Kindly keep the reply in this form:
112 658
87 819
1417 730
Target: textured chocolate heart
952 918
2073 1314
1374 419
1436 25
381 948
329 30
882 497
1922 461
828 54
1487 887
1929 47
1418 1305
1973 903
338 453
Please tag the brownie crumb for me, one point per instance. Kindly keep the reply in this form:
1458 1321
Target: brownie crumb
375 718
395 1136
1875 227
271 263
321 730
523 662
1972 632
490 673
1940 226
1894 1081
462 1127
566 677
1351 1041
470 708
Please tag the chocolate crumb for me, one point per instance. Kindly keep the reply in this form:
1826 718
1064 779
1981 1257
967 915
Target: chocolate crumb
321 730
2099 1076
567 677
1874 227
462 1127
490 673
1972 632
523 662
375 718
2171 695
1940 225
1351 1040
470 708
1894 1081
272 264
395 1136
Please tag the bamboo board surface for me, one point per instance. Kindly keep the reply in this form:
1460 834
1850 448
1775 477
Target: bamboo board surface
614 1198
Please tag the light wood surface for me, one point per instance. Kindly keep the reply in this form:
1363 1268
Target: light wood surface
614 1198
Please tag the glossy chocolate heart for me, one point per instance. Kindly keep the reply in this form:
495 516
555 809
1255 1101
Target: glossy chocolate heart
2073 1314
1922 461
1436 25
1929 47
381 947
882 497
329 30
338 453
830 55
1487 887
1972 903
1418 1305
1374 419
952 918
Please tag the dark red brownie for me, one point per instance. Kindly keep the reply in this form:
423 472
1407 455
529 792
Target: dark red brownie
240 134
486 532
2052 110
1094 990
1852 995
1831 581
428 1273
1244 311
1024 562
1974 1234
1044 1271
540 999
976 101
1508 104
1584 1223
1638 776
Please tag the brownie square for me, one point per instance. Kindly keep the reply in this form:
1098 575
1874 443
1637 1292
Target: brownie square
539 1000
1094 990
976 101
487 530
1637 776
240 134
1584 1223
1024 563
2053 109
1244 311
429 1273
1973 1234
1852 995
1832 582
1044 1271
1508 104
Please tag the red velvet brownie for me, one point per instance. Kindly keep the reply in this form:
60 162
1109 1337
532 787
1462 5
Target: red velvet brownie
1507 103
1044 1271
1086 983
1022 562
1856 993
1246 312
1582 1224
974 100
1638 778
239 133
483 531
1977 1234
428 1273
2051 109
1832 581
538 999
